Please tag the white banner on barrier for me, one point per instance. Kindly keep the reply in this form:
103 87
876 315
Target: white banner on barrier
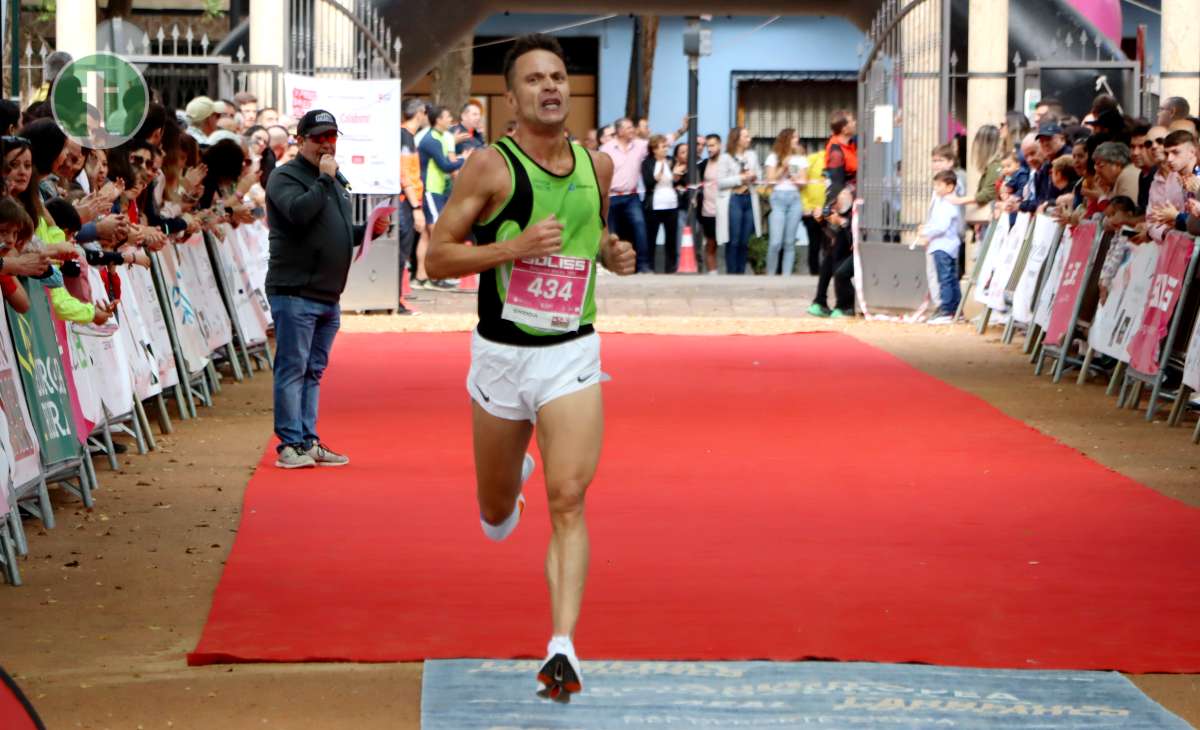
22 439
141 283
991 256
369 160
255 253
192 338
7 467
1045 229
1003 260
196 270
112 372
139 345
1191 367
1045 302
229 253
87 375
1118 318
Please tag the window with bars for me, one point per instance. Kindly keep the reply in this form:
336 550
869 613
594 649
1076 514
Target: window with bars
768 105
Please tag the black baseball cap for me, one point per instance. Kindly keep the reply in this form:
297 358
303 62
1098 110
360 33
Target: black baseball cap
1049 129
316 121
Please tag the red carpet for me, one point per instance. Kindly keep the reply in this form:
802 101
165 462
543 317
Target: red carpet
759 497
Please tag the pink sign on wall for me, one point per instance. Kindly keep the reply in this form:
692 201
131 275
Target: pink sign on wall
1173 259
1071 285
1104 14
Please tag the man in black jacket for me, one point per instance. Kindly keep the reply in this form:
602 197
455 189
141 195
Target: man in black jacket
312 238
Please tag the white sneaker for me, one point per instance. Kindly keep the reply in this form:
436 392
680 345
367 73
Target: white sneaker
560 675
942 319
292 458
500 532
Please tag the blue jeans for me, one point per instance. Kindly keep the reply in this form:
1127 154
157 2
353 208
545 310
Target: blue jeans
783 224
627 221
741 227
304 332
947 274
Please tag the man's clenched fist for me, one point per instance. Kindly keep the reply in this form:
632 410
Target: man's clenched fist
619 256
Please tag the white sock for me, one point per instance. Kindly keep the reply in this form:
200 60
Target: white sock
504 529
561 645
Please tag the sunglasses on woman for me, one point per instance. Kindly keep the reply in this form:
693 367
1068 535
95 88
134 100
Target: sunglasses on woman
139 161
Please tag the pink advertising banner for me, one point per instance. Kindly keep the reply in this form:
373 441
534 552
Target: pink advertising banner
1071 285
1175 253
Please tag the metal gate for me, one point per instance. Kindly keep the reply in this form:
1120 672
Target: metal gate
903 103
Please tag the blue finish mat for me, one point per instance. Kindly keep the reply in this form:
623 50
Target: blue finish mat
467 694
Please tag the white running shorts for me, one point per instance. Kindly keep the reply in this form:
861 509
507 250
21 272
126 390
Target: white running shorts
515 382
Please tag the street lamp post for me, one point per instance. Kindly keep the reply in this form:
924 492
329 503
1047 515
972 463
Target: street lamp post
697 42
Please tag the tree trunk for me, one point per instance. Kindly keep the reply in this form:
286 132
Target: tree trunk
641 67
119 9
452 79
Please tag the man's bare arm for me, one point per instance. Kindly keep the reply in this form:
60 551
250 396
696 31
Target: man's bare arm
449 255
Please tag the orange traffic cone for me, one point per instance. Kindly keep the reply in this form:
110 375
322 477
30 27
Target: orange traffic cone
687 253
405 290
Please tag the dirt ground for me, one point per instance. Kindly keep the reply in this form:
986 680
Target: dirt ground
114 598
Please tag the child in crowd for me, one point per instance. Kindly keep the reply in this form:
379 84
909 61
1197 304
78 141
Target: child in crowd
1063 176
941 237
15 227
1122 213
67 306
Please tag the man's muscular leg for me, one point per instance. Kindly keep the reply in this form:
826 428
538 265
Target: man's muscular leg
570 431
500 446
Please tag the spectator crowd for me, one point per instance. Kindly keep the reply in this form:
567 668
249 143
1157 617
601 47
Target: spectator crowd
793 197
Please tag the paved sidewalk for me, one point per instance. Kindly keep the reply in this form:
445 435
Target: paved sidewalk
668 295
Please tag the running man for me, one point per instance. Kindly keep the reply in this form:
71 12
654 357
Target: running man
537 205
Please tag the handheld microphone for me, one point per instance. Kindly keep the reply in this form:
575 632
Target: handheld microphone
342 179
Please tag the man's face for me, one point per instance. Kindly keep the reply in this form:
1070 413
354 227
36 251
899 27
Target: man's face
1108 171
1182 157
1033 156
607 134
1137 147
625 130
1038 112
540 93
471 117
1050 145
69 162
444 121
249 113
851 127
1165 115
714 148
269 117
643 128
1157 135
315 146
939 164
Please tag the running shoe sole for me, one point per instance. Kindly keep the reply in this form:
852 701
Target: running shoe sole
559 679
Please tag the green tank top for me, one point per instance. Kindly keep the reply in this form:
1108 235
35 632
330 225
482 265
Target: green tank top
534 195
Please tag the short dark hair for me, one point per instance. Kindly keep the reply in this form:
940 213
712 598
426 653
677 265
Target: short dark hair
64 215
527 44
839 120
1178 137
10 114
1123 202
946 177
1141 129
714 135
436 112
